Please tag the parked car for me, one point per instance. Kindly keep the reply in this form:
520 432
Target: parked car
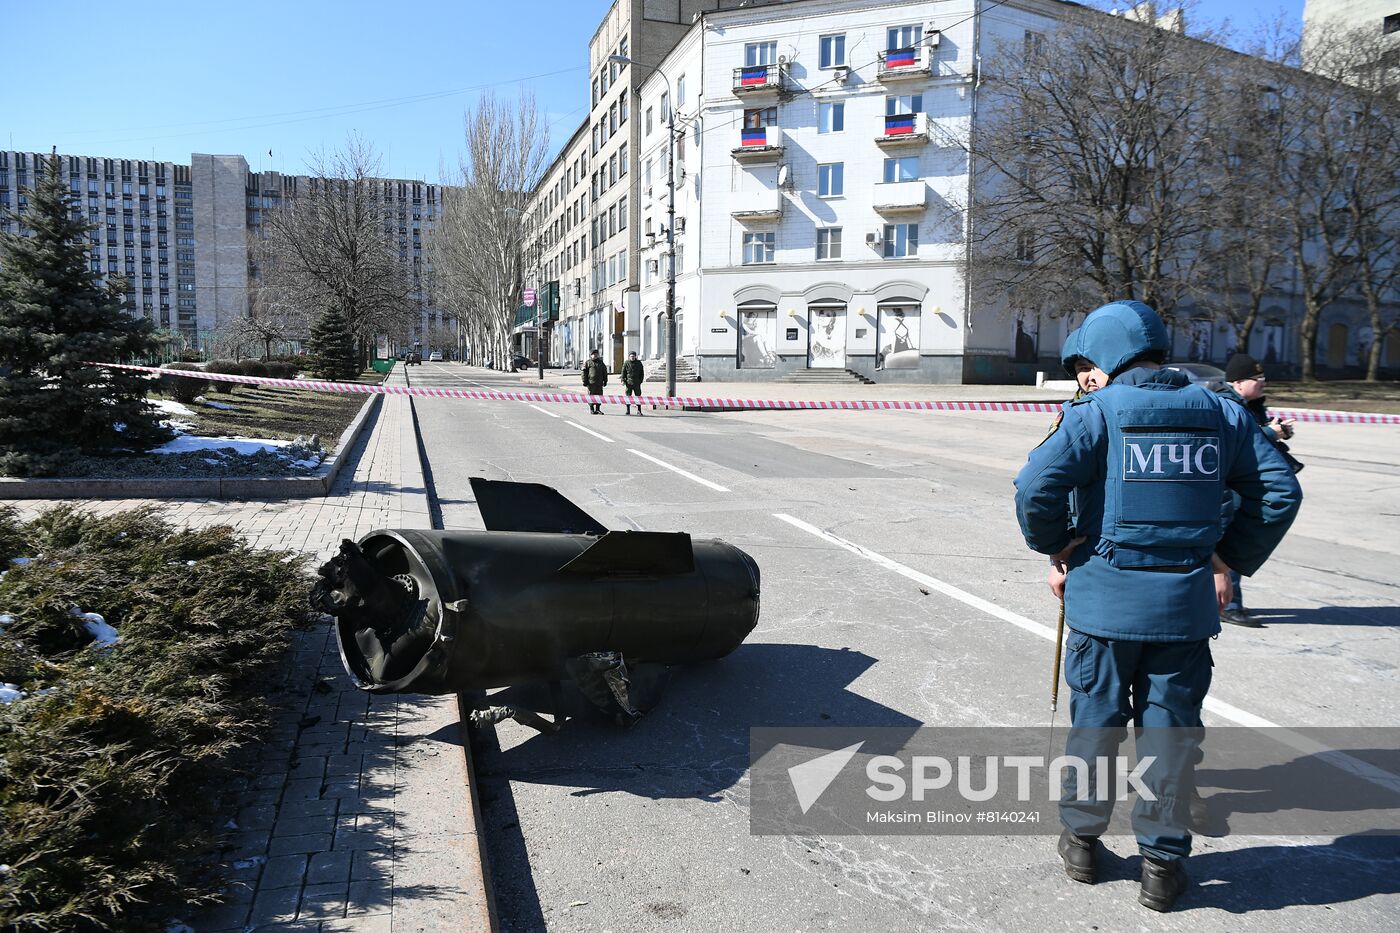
1202 374
435 356
414 357
518 362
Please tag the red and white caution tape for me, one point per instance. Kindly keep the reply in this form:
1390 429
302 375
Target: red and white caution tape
688 401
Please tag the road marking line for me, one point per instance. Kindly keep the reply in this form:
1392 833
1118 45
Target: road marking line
675 469
1361 769
546 411
601 437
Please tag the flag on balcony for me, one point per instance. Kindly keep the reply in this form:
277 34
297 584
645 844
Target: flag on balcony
900 58
754 136
899 124
754 77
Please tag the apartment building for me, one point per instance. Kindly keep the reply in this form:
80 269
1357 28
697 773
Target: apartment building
1379 16
179 234
822 187
142 214
558 256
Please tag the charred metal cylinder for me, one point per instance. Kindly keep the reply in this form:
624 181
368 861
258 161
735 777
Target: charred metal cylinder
446 611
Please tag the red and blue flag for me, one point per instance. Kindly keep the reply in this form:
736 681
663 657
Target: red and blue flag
899 124
754 136
751 77
900 58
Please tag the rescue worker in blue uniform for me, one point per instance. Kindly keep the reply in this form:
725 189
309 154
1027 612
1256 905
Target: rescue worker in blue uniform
1140 559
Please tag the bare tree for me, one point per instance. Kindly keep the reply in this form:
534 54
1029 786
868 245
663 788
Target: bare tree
1340 176
1360 146
476 249
1244 259
1088 170
332 247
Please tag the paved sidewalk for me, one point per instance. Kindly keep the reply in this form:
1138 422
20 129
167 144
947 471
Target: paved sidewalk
356 813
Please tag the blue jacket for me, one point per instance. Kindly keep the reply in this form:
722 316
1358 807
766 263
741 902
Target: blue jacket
1105 596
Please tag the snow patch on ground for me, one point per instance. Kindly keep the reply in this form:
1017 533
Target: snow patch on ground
222 406
170 407
97 626
5 619
10 692
186 443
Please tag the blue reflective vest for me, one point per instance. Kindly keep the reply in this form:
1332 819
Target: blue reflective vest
1163 482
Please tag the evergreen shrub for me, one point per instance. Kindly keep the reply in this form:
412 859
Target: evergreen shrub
116 758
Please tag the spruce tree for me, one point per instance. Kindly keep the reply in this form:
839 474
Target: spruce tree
332 347
54 316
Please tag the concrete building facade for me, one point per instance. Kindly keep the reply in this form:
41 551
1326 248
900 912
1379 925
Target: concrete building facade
179 234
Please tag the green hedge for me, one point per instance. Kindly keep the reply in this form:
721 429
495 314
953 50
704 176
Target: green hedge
114 761
183 388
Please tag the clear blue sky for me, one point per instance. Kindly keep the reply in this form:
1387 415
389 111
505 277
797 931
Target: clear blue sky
298 76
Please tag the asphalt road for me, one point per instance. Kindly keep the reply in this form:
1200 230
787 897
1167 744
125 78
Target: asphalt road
850 515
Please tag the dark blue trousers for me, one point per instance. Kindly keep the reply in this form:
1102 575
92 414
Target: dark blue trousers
1159 688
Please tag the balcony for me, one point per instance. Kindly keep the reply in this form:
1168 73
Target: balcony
901 130
759 80
759 144
901 197
758 207
906 63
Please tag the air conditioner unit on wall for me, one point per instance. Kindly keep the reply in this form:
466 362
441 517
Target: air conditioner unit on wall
934 36
841 74
680 225
872 238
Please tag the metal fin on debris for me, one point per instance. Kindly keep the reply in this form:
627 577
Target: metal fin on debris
507 506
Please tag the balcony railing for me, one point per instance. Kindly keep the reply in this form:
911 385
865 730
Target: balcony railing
759 143
759 206
903 129
895 197
909 62
752 79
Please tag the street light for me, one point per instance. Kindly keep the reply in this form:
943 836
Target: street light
670 222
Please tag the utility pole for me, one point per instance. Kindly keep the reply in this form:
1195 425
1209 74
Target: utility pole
670 246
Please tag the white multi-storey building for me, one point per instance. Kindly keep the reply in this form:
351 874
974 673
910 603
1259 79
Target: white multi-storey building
822 191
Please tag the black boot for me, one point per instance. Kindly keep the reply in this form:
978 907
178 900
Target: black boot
1240 617
1162 883
1079 854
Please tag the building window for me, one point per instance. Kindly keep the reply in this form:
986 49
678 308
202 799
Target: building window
901 240
760 117
665 105
759 248
908 103
903 37
902 169
831 179
622 213
622 160
831 117
1034 45
832 51
680 93
1025 246
760 53
648 121
829 243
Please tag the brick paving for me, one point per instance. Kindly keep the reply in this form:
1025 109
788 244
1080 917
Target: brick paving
356 813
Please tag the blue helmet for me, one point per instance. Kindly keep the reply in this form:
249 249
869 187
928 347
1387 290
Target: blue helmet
1115 335
1070 352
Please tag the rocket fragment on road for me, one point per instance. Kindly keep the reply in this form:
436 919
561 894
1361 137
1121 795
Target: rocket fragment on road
545 594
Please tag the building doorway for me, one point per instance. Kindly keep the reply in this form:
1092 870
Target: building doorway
1337 346
758 332
826 336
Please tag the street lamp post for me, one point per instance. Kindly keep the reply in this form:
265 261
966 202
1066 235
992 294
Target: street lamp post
670 222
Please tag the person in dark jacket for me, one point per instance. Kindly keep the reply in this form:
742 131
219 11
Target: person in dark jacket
595 377
633 374
1140 562
1245 378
